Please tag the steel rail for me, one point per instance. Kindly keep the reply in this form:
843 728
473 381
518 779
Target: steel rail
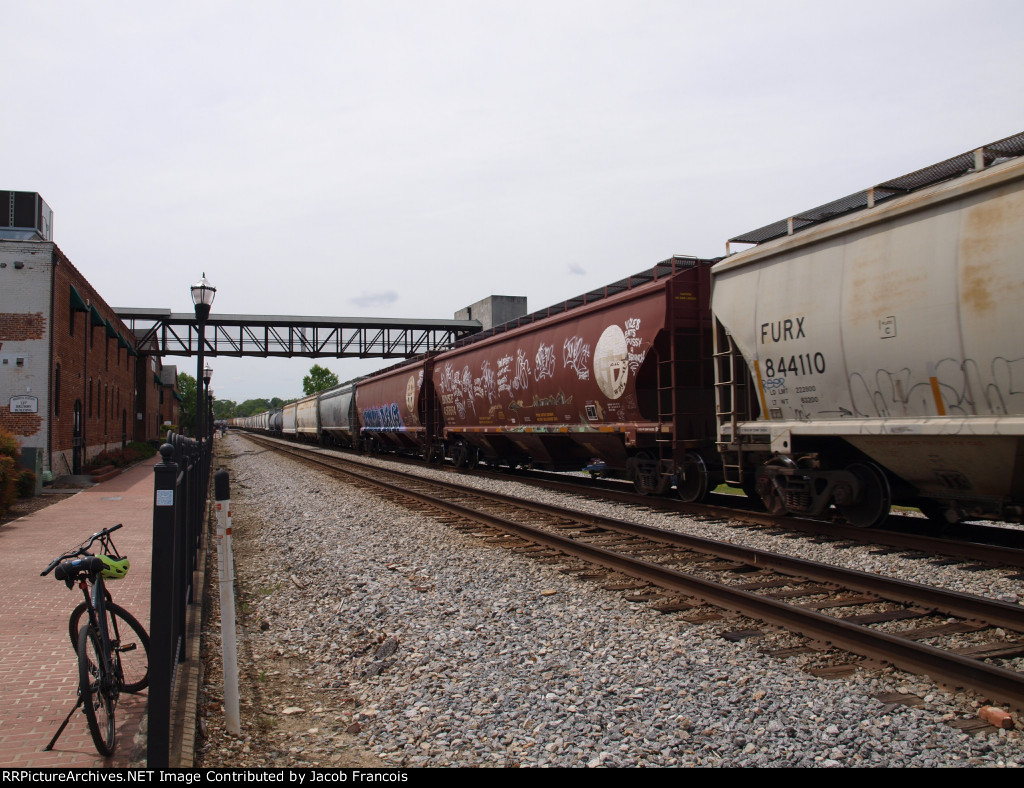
974 551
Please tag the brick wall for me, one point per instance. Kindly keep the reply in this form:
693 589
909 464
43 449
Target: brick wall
148 386
96 375
19 327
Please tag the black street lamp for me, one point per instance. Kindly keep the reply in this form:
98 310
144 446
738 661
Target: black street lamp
202 296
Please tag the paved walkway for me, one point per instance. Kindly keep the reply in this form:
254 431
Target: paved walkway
38 668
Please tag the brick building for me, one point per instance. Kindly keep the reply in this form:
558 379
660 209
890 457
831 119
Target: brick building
170 398
70 374
158 400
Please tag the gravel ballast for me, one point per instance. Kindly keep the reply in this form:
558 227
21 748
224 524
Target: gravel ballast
421 645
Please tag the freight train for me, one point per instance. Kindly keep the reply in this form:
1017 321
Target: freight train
866 353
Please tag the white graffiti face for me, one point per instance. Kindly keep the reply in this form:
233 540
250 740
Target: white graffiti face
611 370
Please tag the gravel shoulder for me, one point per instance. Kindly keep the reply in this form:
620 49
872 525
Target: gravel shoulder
371 634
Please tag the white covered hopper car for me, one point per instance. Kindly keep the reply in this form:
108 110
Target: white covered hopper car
871 351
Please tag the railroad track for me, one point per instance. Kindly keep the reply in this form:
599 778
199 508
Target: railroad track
986 545
956 639
969 542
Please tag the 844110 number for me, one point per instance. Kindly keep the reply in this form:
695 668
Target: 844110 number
801 364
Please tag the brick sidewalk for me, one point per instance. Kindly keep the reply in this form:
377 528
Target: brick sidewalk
38 668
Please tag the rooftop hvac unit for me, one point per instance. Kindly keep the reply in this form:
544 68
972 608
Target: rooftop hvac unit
25 216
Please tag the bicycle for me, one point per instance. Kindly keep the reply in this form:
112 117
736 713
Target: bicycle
112 646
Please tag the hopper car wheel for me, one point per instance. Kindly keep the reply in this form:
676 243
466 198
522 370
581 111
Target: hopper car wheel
693 485
764 485
647 483
939 513
462 455
876 497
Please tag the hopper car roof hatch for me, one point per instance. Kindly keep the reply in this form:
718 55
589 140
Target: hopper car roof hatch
955 167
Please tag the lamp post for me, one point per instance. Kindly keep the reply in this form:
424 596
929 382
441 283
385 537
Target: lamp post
207 374
202 296
209 413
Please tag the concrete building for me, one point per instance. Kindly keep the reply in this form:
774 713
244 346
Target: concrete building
494 310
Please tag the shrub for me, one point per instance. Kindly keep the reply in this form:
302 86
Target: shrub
119 458
8 470
8 445
113 457
142 450
26 484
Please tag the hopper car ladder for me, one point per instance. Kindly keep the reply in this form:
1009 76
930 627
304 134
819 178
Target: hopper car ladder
733 403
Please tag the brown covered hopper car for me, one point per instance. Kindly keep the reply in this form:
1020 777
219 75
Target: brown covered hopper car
622 373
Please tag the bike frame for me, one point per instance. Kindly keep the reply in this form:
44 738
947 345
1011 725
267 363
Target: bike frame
97 597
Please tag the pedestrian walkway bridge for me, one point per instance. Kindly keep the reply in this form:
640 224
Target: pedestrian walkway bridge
160 332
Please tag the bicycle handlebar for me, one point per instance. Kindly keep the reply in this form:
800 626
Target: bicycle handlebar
79 550
71 568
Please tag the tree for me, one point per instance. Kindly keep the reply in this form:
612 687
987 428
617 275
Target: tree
318 379
223 409
187 389
251 407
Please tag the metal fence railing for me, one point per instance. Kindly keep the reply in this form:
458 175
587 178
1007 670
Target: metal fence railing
181 486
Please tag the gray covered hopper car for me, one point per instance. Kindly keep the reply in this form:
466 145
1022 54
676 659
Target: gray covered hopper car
339 423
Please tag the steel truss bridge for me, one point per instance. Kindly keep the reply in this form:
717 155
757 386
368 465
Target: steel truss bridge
160 332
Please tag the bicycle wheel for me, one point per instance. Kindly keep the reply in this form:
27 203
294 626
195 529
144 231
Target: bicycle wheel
98 690
75 622
128 640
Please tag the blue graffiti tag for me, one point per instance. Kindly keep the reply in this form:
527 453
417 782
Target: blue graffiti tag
385 418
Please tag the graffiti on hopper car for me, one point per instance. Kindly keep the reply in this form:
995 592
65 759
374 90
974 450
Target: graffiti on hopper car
522 377
616 355
544 362
575 355
384 418
634 358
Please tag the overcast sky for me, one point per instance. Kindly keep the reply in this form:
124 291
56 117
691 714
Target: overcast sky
405 159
